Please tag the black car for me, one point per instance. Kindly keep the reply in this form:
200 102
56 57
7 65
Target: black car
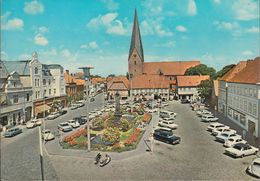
80 120
185 101
166 136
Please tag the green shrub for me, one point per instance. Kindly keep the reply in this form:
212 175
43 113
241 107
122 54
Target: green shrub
111 135
125 125
98 124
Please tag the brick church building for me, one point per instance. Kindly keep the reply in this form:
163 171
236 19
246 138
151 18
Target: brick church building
153 78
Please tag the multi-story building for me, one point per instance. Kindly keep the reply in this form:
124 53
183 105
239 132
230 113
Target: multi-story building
118 84
47 82
187 86
149 87
239 96
15 98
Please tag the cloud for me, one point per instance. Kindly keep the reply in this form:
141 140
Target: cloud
154 7
33 7
43 29
226 25
39 39
162 32
247 52
192 8
4 55
217 1
169 44
111 5
181 28
246 9
253 29
109 23
146 28
90 45
65 53
52 52
11 24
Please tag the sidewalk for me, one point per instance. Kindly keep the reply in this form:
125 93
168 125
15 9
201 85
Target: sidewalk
250 139
53 148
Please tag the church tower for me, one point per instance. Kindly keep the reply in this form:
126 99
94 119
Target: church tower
136 56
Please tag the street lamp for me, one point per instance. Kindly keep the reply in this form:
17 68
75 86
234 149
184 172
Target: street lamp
86 72
226 85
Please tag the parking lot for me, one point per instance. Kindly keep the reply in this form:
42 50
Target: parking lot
197 157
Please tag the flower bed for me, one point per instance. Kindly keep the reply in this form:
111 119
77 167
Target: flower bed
133 137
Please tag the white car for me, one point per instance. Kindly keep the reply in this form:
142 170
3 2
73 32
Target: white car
213 126
223 137
168 124
200 113
47 135
31 124
241 150
65 127
152 110
218 131
254 168
99 113
53 115
209 118
232 141
74 106
73 123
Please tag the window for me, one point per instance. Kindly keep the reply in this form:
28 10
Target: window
44 81
49 81
36 70
250 92
27 97
246 91
245 105
242 119
135 62
54 91
255 92
15 98
44 93
134 55
250 107
49 91
14 83
254 109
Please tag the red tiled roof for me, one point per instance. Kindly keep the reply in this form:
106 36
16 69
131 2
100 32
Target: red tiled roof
250 74
232 72
168 68
70 79
190 80
150 82
117 81
97 80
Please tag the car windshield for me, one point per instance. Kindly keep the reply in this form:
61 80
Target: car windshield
64 124
237 147
231 139
47 131
224 134
256 164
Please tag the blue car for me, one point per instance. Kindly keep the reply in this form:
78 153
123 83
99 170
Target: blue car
12 132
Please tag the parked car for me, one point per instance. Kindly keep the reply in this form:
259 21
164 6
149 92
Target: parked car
223 137
166 136
74 106
254 168
166 119
185 101
209 118
168 124
65 127
152 110
64 111
33 123
203 112
53 115
73 123
80 104
164 129
81 120
232 141
166 114
241 150
218 131
213 126
13 132
47 135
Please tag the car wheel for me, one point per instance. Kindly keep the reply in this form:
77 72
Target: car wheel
242 156
256 152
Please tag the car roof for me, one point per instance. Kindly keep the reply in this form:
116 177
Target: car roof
216 124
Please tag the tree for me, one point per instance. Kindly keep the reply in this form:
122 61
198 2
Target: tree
224 70
205 89
201 69
111 135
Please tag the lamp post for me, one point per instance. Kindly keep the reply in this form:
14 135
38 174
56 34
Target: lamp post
226 99
86 71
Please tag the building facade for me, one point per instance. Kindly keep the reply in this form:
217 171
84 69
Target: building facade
239 96
118 84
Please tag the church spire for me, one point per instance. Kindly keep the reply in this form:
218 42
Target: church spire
136 41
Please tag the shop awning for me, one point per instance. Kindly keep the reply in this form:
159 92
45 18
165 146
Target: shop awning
42 108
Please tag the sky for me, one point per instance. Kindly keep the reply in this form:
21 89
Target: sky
98 33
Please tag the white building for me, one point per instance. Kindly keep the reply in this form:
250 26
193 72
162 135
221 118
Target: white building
187 86
239 96
15 99
47 82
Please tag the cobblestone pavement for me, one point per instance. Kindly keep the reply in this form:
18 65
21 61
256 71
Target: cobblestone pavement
197 157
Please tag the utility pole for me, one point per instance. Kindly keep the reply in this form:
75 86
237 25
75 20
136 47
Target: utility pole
86 71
